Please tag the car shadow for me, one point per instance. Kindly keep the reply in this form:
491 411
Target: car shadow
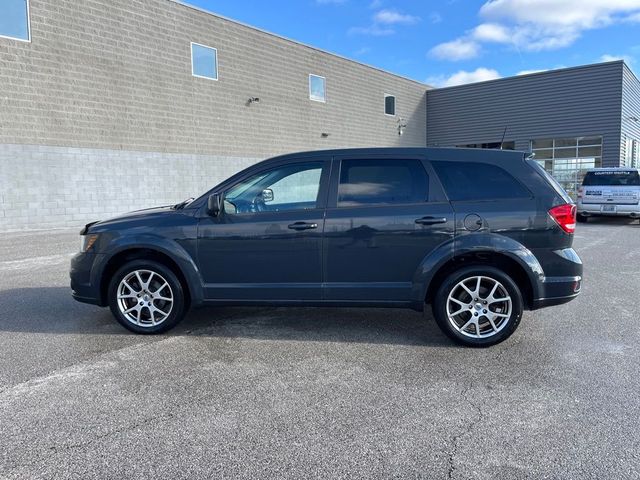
52 310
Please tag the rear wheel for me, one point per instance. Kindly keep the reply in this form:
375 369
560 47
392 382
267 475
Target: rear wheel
478 306
582 218
146 297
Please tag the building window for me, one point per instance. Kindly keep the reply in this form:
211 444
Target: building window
568 159
204 61
390 105
510 145
317 88
14 20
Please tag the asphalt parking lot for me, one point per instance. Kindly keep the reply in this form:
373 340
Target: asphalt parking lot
317 393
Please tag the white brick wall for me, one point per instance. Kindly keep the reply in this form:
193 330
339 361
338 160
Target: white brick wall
43 186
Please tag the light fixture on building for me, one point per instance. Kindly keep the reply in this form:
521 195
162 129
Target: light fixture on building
402 124
253 100
633 118
325 134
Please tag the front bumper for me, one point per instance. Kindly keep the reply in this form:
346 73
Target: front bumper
84 288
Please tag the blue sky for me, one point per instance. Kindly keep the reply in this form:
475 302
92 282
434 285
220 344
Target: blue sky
446 42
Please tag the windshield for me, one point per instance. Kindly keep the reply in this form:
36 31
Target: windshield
612 178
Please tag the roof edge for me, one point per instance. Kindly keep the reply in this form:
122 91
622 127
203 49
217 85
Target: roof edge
527 75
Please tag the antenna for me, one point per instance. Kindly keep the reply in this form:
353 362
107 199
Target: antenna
503 135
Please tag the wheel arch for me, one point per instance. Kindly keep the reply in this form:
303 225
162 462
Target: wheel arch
480 250
172 256
497 260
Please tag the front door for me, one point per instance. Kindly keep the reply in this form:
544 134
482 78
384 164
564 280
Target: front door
385 215
266 243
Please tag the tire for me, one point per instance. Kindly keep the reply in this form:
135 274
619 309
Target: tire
469 314
152 298
582 218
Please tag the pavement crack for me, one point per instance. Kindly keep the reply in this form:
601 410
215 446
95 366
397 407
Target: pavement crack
451 460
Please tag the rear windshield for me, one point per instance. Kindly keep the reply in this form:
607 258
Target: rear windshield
612 178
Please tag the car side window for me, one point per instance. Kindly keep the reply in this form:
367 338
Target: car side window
382 182
478 181
284 188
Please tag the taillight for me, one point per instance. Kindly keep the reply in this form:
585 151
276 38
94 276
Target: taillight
565 217
580 192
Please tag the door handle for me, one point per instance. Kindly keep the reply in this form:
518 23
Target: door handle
431 220
303 226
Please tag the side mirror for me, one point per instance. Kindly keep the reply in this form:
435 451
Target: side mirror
214 204
267 195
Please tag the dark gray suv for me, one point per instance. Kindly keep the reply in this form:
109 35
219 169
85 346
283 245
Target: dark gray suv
481 235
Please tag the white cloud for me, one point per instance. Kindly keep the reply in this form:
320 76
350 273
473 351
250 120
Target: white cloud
383 21
491 32
463 77
459 49
535 25
393 17
575 14
528 72
612 58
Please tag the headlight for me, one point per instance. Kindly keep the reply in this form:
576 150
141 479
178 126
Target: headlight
87 241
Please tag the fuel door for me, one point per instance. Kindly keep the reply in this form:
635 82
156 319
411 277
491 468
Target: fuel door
473 222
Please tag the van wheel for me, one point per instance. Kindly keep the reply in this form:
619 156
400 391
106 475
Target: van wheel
146 297
478 306
582 218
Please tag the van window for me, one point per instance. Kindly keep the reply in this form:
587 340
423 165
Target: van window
382 181
612 178
478 181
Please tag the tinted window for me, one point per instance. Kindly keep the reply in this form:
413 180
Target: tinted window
390 105
478 181
204 61
612 178
290 187
367 182
14 19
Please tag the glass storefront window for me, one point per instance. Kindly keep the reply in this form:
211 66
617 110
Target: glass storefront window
568 159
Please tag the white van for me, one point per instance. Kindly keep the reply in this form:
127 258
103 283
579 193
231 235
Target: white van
609 191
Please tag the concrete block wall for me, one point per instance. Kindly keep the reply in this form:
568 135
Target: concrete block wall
47 186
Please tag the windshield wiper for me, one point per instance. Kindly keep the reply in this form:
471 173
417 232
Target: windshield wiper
183 204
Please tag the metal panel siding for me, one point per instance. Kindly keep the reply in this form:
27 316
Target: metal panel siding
571 102
630 108
117 75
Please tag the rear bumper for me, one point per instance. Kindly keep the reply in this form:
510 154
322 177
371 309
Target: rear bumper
557 290
595 209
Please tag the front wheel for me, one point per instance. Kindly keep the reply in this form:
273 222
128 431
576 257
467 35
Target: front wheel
146 297
478 306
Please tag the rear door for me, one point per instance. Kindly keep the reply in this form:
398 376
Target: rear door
385 214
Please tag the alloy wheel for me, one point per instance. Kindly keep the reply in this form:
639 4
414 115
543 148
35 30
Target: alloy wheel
479 307
145 298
